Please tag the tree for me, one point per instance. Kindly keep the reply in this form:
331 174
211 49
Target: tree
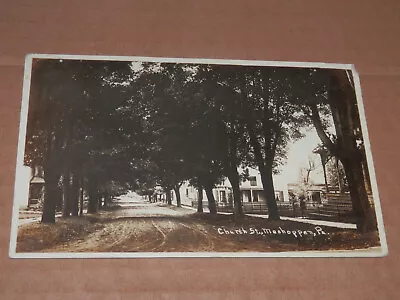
184 134
165 86
331 93
255 120
271 120
200 199
47 132
324 156
336 176
67 100
227 133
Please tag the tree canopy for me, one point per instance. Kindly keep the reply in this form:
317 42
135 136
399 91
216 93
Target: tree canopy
98 126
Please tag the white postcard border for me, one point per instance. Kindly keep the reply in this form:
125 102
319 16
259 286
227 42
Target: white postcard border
371 252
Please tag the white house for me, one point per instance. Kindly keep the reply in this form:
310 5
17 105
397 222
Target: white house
251 191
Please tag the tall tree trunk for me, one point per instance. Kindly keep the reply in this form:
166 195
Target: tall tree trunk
346 119
67 201
168 197
210 197
75 195
178 195
367 178
50 186
81 195
50 182
233 174
58 197
66 211
269 192
325 177
106 199
200 199
100 201
366 219
345 116
339 176
266 175
75 192
93 201
237 199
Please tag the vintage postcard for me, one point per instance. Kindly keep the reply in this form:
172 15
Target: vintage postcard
163 157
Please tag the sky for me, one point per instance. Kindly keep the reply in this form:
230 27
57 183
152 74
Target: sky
299 153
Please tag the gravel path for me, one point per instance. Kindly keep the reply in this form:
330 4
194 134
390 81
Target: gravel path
139 226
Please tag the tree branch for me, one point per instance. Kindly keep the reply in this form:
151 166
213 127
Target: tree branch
320 130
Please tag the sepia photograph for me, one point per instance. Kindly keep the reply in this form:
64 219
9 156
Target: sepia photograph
166 157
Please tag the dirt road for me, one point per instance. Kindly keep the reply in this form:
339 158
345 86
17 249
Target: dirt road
139 226
134 225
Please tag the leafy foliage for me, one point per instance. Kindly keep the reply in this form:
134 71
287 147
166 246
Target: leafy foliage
119 125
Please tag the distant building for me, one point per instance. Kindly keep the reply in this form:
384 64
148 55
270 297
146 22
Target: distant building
36 186
313 192
29 187
251 191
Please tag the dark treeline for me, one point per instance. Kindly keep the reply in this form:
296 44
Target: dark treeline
99 128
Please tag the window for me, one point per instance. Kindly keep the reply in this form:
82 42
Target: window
253 180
